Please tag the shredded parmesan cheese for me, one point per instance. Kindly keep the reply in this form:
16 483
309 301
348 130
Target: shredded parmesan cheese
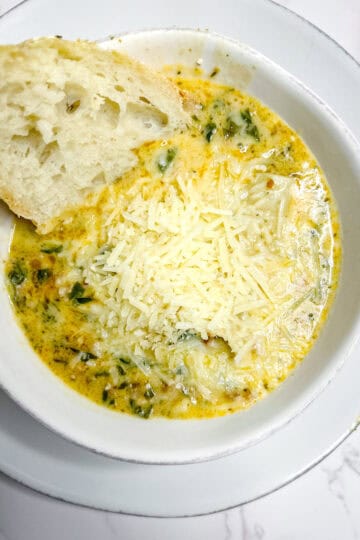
213 253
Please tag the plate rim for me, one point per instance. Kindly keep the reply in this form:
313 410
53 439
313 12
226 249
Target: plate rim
349 431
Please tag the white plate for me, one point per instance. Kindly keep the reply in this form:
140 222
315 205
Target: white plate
44 461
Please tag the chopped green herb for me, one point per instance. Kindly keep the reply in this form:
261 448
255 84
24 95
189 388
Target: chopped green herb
43 274
85 356
143 412
251 129
166 159
246 116
52 248
112 402
76 294
17 275
123 385
83 300
60 361
121 370
231 128
76 291
101 374
149 393
253 132
105 395
124 360
194 117
209 131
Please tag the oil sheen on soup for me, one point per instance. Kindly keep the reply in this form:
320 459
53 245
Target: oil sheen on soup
196 283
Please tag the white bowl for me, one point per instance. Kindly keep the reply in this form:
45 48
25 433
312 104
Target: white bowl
43 395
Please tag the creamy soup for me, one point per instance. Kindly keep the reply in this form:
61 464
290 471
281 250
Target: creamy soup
195 284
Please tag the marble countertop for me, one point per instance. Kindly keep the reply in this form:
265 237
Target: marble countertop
323 504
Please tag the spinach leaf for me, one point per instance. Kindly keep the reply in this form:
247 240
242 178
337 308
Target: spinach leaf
51 248
143 412
231 128
149 393
43 274
76 291
101 374
120 369
76 294
17 275
83 299
166 159
209 131
250 129
253 132
124 360
85 356
246 116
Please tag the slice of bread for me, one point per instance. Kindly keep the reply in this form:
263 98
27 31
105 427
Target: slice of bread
70 116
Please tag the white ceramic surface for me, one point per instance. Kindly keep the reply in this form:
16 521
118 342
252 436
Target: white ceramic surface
32 385
326 421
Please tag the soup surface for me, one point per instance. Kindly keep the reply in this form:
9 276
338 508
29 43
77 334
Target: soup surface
196 283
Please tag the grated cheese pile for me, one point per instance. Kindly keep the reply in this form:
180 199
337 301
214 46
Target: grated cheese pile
215 253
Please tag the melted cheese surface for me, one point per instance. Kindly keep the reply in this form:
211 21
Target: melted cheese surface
195 284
